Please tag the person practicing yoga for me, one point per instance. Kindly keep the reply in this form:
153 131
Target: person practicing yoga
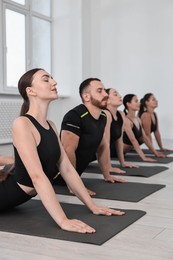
38 153
82 131
134 134
114 126
149 119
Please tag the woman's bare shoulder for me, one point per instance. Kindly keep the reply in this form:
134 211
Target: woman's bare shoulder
146 115
20 122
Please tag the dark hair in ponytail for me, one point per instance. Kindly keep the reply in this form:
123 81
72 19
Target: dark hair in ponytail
24 82
127 99
108 90
143 100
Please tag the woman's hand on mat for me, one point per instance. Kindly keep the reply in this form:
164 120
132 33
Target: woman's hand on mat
160 155
166 150
148 159
90 192
112 179
116 170
75 225
107 211
129 165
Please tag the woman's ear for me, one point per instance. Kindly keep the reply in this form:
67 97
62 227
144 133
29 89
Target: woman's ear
127 104
147 102
30 91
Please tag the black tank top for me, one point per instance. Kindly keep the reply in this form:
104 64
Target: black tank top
154 124
115 132
137 133
116 127
48 151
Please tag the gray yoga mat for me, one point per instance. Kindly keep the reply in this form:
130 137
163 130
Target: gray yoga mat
32 219
7 167
137 158
128 191
147 151
142 171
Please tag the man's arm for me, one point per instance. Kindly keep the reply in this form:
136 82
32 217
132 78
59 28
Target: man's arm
70 142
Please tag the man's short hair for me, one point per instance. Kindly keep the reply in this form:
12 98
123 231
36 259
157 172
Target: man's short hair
85 84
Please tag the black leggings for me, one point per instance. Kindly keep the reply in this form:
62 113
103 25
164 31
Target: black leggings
11 195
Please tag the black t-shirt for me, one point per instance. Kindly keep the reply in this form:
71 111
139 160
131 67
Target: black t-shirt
90 132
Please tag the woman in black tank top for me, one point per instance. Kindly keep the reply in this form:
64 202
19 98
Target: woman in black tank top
134 134
149 118
114 127
39 154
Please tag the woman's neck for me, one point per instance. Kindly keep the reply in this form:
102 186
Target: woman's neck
150 110
131 114
112 109
39 112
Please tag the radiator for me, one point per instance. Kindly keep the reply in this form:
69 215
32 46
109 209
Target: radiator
9 110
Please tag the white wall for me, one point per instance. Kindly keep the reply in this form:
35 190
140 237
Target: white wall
131 49
67 56
128 44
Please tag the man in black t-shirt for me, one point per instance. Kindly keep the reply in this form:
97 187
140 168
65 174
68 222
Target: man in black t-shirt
82 130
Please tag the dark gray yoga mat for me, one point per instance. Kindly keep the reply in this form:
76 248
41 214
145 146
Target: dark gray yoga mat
147 151
137 158
7 167
142 171
128 191
32 219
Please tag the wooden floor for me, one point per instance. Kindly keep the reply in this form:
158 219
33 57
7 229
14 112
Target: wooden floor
151 237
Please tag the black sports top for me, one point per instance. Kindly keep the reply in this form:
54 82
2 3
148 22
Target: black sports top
137 133
48 151
116 127
153 127
154 124
90 132
115 132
